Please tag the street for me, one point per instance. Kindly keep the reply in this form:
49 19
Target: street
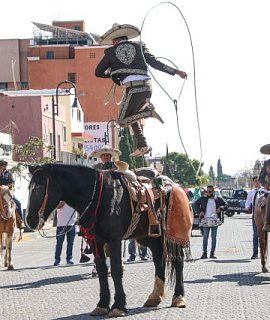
231 287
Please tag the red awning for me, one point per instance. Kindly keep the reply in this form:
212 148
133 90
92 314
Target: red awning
82 136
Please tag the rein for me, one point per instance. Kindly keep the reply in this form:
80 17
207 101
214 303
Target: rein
45 200
43 206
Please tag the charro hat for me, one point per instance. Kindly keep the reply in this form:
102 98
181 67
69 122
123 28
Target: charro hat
118 31
106 149
265 149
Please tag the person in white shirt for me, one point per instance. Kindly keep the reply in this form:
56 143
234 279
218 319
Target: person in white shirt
66 218
210 209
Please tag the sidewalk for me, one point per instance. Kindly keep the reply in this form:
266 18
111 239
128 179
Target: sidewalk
47 231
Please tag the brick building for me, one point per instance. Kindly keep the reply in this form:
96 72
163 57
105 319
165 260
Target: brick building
58 52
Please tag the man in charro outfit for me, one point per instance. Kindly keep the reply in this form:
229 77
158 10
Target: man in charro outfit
125 64
106 155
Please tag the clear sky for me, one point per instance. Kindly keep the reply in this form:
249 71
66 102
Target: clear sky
230 41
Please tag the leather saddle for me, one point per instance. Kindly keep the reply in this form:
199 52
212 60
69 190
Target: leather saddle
145 190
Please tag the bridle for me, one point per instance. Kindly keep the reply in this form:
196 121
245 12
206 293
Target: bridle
45 201
43 206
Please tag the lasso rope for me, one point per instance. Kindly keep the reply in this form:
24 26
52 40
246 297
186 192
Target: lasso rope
175 101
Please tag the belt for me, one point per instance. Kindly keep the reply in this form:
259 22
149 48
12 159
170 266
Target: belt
137 83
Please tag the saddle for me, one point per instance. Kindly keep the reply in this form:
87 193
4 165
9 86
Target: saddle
145 187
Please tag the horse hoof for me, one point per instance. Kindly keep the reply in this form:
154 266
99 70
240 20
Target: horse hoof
98 311
10 267
117 313
152 303
264 270
178 302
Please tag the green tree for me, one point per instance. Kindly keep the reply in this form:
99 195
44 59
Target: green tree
182 171
212 176
126 146
35 152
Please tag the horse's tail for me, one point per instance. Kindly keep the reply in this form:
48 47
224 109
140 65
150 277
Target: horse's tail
266 243
176 255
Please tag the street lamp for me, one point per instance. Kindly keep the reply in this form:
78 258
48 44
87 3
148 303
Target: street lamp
55 112
114 125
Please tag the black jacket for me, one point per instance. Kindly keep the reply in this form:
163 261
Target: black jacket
201 204
6 178
126 59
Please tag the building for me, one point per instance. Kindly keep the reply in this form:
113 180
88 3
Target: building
65 51
32 112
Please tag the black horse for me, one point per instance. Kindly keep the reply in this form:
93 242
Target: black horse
105 208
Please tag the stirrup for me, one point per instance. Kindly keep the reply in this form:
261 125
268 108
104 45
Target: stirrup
154 230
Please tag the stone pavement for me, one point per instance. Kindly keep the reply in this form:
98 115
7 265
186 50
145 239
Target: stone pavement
231 287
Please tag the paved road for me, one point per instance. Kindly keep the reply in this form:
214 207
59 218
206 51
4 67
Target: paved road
231 287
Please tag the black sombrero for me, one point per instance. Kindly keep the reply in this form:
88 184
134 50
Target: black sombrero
265 149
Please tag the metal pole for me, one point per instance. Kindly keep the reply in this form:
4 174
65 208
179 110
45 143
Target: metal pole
53 126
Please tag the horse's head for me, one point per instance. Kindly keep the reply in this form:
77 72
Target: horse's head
44 195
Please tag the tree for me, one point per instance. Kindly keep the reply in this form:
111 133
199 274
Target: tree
212 176
126 146
35 152
183 173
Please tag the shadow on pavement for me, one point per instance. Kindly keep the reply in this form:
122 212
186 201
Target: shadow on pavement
242 279
131 312
48 281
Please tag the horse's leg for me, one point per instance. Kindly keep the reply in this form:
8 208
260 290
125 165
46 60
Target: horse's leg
263 239
118 309
103 305
8 260
178 299
158 292
2 247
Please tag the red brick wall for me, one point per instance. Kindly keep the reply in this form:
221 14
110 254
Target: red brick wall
92 91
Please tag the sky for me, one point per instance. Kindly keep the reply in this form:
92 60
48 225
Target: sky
231 76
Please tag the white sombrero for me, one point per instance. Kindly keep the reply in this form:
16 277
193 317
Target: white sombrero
265 149
115 153
118 31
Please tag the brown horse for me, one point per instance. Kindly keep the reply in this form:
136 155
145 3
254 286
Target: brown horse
260 211
7 224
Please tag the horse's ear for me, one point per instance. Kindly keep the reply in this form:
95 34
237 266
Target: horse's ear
31 169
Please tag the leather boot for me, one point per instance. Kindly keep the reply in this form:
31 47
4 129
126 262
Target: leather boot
19 222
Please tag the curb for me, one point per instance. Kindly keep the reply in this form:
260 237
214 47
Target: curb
48 231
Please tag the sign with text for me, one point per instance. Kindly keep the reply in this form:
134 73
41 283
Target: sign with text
98 130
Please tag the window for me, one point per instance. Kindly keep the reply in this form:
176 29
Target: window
50 55
3 86
72 77
79 115
77 28
64 134
24 85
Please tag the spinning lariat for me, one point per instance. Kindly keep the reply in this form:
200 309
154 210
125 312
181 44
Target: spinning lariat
175 101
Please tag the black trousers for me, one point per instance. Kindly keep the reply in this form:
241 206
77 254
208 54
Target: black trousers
136 106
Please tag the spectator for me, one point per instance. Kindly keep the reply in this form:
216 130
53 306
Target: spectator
132 251
66 218
210 209
6 179
249 206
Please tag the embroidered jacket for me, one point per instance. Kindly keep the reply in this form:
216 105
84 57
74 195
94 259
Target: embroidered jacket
125 59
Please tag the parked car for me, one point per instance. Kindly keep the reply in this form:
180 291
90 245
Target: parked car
236 200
